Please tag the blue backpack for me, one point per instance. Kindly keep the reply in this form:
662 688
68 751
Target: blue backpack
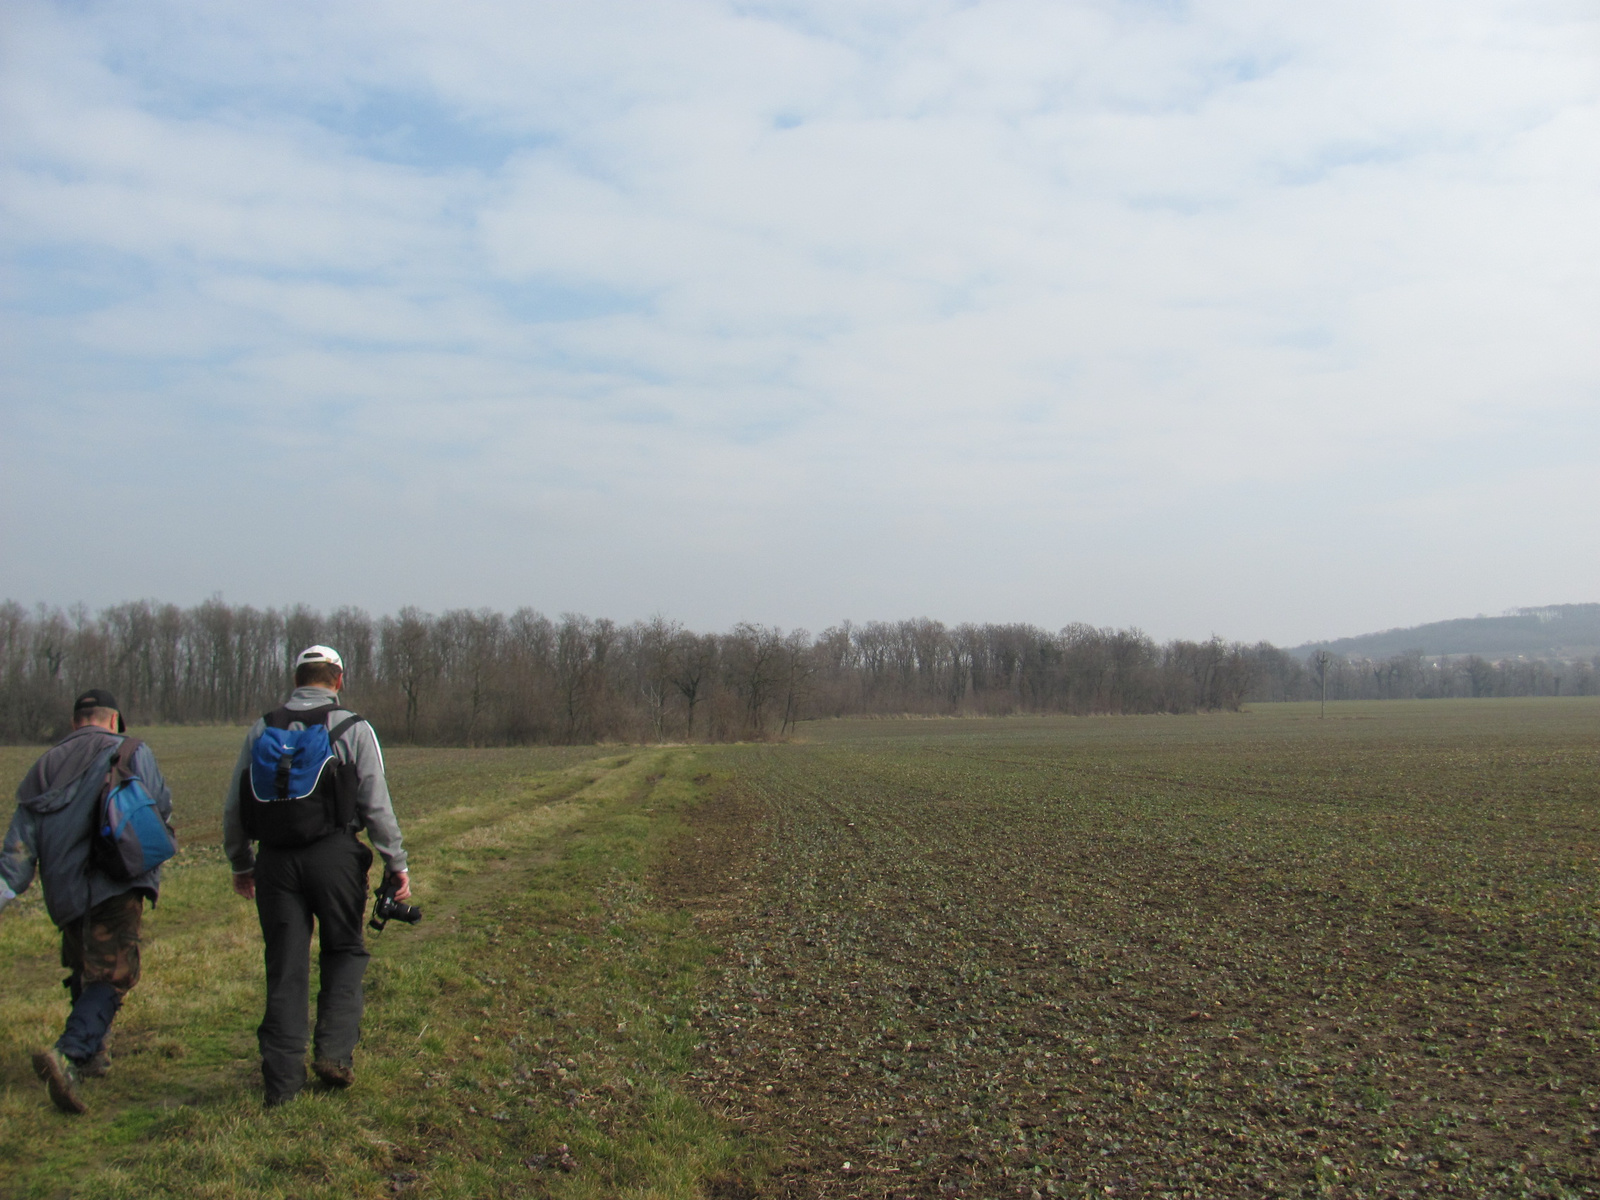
130 834
297 791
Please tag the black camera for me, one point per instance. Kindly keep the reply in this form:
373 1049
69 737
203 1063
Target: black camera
386 908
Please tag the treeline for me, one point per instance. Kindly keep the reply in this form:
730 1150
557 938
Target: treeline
1412 675
485 678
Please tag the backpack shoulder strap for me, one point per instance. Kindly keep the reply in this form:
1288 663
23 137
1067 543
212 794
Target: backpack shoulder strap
119 767
122 761
337 731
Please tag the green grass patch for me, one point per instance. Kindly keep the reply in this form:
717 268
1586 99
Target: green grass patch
542 1004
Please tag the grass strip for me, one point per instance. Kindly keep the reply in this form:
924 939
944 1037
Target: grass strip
527 1039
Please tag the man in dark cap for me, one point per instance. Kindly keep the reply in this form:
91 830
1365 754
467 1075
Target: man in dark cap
57 812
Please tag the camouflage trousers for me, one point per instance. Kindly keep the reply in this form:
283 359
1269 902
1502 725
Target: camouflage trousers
104 946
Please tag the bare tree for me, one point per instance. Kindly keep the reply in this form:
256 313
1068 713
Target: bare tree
796 665
752 664
654 644
692 662
409 661
583 648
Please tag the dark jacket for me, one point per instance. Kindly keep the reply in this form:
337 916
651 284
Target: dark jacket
56 813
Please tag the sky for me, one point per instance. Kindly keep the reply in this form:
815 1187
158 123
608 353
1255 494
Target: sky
1262 320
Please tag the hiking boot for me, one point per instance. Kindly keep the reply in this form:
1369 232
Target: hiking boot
334 1074
96 1067
60 1075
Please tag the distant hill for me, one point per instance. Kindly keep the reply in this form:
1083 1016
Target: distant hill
1560 631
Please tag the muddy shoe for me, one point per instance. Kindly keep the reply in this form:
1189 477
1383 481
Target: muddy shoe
60 1076
96 1067
334 1074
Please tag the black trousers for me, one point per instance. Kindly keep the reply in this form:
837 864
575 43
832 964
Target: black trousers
325 881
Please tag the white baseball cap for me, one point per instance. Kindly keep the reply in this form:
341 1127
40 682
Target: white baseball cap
319 654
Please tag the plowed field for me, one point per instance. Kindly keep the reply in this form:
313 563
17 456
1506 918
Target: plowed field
1244 954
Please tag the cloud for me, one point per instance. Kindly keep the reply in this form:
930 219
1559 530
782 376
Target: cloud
792 312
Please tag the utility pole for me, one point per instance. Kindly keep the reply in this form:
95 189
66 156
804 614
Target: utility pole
1322 665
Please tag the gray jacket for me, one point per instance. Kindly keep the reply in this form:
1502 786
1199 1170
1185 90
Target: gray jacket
54 820
358 745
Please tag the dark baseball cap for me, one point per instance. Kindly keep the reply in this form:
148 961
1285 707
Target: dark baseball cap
99 698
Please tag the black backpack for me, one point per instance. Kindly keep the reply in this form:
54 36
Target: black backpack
296 790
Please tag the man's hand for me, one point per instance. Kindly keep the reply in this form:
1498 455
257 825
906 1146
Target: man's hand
402 885
244 883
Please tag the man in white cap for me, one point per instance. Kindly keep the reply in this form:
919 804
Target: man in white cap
309 778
